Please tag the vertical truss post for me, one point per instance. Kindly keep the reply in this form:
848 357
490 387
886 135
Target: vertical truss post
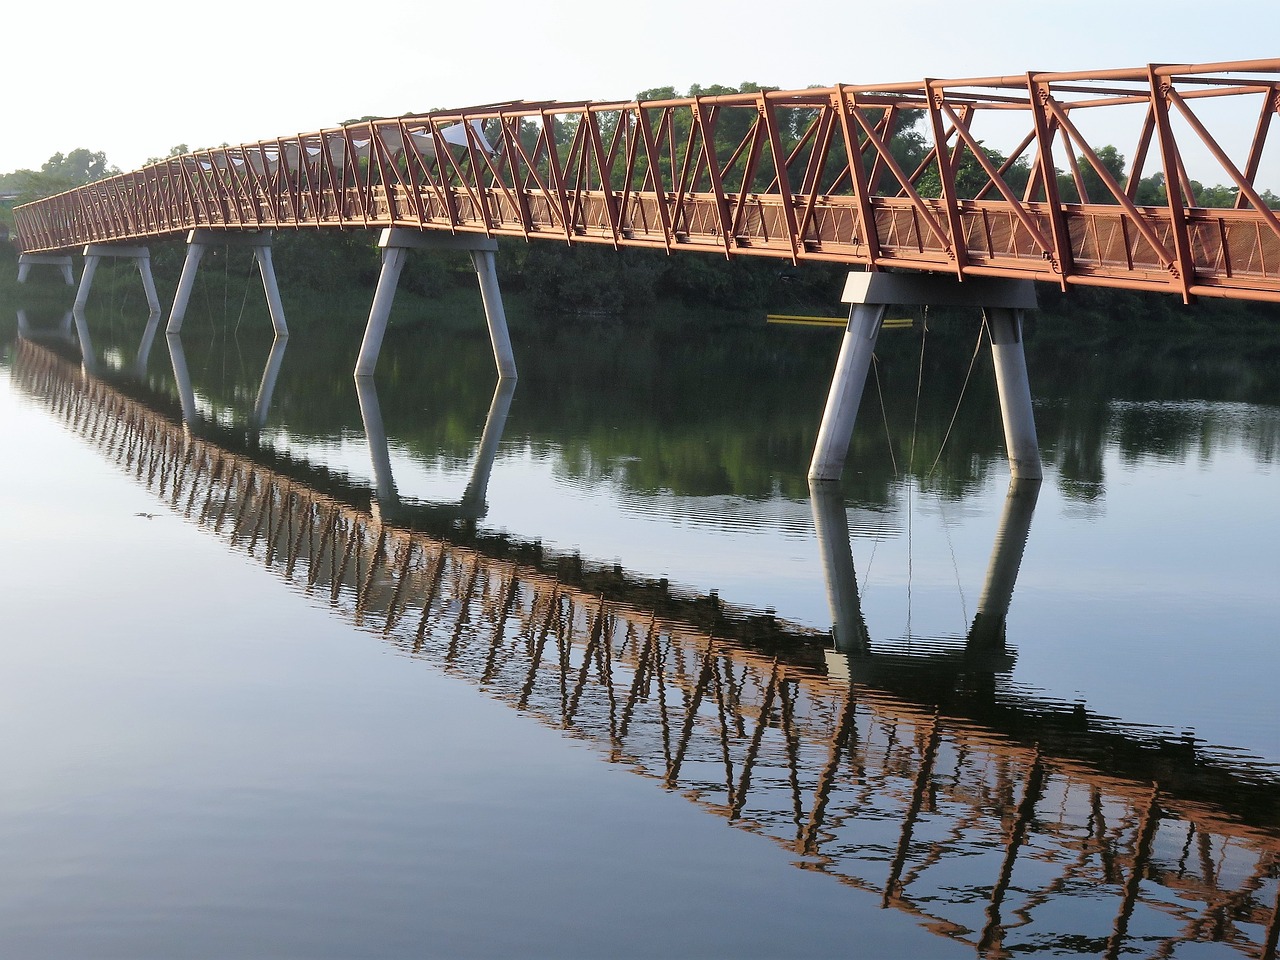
396 243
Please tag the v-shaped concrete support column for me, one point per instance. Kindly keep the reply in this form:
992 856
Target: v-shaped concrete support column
396 244
198 241
1004 302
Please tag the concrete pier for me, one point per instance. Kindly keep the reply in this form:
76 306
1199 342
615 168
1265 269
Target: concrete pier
869 294
60 260
95 253
396 244
198 241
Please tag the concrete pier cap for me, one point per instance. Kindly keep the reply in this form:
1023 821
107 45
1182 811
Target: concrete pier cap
909 290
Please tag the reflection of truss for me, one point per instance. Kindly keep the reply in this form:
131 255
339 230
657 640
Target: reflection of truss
769 174
883 794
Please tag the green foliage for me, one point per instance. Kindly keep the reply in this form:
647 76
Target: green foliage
175 151
61 173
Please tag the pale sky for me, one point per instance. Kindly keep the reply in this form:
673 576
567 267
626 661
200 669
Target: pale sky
135 78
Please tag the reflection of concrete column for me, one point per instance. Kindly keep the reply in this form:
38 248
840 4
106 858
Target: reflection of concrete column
376 436
832 525
24 329
988 630
182 376
472 505
144 347
396 243
267 387
473 498
87 358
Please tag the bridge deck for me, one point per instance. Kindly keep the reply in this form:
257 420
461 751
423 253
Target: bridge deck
812 175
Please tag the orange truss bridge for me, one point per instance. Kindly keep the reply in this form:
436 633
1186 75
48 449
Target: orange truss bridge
897 175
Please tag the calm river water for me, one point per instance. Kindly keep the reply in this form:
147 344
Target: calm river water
585 668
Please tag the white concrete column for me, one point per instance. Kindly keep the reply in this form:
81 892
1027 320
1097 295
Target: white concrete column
1014 387
1004 301
988 630
266 267
494 314
148 283
86 280
195 253
141 257
383 297
198 241
845 395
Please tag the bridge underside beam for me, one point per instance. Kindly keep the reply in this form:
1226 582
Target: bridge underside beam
396 243
198 241
870 293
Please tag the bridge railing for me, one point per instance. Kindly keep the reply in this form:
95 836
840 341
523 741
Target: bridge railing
897 175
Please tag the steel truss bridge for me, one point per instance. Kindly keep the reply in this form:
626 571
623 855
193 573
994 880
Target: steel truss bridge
807 175
883 791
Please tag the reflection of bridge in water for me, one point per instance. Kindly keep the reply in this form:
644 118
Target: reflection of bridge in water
910 780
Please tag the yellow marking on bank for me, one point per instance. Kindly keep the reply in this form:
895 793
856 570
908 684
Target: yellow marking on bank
896 323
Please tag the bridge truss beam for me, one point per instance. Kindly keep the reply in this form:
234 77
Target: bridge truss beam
839 174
